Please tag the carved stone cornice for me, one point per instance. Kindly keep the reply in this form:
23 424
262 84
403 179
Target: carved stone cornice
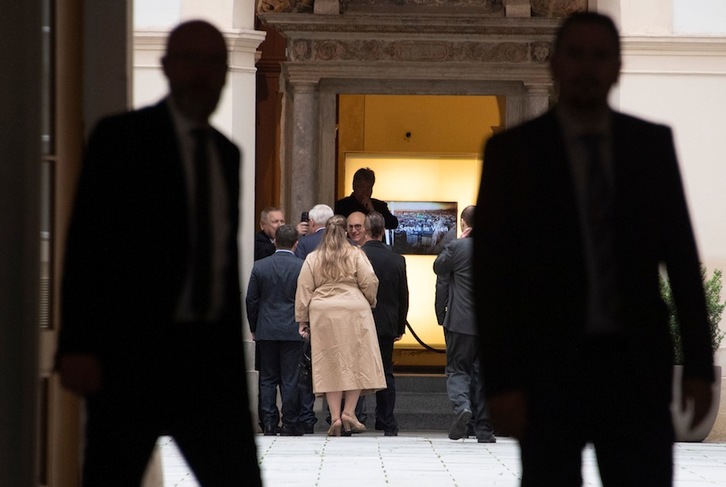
418 50
444 25
464 73
414 38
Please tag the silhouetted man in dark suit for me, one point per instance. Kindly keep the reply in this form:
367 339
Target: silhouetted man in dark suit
271 315
361 198
389 314
577 211
151 330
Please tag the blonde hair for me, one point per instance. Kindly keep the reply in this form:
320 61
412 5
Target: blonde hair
335 251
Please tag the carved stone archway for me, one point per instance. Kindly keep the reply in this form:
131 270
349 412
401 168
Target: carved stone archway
452 47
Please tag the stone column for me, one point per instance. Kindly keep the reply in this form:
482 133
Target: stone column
300 157
538 98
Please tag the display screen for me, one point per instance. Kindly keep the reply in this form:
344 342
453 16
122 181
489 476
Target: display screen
424 227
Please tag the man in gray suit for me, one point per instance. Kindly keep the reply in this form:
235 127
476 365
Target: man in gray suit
455 311
271 314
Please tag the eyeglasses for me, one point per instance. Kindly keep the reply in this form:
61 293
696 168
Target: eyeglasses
355 227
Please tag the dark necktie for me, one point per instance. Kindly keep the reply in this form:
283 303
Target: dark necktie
599 202
597 185
202 271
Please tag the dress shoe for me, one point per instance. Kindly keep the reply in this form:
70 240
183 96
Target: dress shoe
488 439
291 430
391 432
458 428
308 428
352 424
270 430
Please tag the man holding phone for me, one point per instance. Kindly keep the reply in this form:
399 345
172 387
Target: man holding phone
317 216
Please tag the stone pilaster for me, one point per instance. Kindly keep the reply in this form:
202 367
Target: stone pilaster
538 98
300 157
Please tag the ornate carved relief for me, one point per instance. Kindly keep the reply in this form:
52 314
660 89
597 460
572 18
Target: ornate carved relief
368 4
557 8
279 6
418 51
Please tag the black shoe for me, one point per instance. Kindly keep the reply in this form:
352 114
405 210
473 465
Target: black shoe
308 428
488 439
291 430
458 428
271 430
391 432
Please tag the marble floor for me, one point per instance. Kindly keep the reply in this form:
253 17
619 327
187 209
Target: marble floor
419 459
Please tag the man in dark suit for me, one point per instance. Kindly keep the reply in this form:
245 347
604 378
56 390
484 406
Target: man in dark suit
151 330
317 216
455 312
577 211
271 314
361 198
389 314
270 220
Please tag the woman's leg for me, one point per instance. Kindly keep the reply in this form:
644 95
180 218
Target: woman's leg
334 404
351 399
350 422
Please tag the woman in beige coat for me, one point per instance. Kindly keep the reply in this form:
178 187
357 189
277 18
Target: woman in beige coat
335 293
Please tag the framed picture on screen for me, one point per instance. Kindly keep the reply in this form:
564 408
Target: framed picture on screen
424 227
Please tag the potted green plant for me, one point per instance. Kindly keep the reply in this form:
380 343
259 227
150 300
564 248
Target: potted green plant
715 307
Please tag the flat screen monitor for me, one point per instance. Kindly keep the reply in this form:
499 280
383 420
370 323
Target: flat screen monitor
424 227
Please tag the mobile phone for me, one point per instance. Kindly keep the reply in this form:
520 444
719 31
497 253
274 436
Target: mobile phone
304 217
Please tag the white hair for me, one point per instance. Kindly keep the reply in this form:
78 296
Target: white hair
320 214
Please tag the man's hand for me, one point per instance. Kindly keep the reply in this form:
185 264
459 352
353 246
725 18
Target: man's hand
80 373
508 412
368 204
302 228
699 392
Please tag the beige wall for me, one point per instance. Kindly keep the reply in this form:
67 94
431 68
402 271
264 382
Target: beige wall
678 80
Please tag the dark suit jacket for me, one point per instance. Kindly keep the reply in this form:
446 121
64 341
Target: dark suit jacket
271 297
263 246
308 243
454 287
530 275
392 308
346 206
129 242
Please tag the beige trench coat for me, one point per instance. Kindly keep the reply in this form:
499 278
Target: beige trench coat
344 344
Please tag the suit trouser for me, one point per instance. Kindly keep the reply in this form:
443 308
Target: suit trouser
279 367
307 399
604 397
464 384
186 381
386 398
